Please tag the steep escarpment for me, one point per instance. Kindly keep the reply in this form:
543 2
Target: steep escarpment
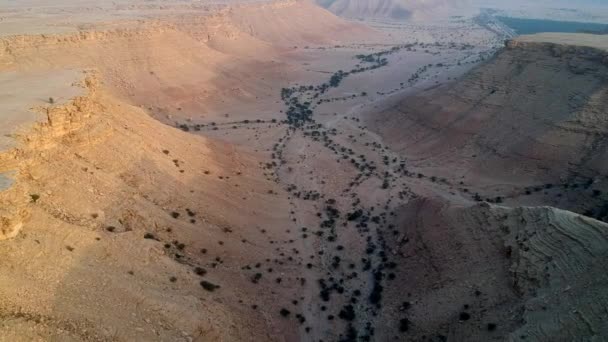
185 65
534 116
296 22
482 272
134 230
526 130
539 103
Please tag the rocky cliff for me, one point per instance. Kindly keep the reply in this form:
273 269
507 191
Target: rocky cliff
534 115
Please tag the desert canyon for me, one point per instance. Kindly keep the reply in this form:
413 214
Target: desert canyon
285 170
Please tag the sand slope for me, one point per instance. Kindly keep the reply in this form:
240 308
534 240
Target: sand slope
190 60
112 219
91 182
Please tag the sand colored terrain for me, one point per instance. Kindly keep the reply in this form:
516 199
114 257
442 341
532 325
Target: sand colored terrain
191 61
531 116
127 208
268 171
92 181
21 92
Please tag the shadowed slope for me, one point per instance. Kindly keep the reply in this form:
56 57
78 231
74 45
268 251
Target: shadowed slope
486 272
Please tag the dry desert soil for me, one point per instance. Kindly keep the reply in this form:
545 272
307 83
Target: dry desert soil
270 171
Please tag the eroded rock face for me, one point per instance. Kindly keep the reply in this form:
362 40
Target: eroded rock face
527 273
536 110
61 122
559 267
581 59
11 223
14 201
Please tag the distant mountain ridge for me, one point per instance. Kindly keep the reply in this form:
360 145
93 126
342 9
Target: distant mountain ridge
388 9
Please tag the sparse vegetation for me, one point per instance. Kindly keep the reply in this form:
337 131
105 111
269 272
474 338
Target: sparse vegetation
209 286
150 236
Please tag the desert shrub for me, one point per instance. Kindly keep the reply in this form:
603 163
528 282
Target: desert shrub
404 325
149 236
347 313
464 316
209 286
256 278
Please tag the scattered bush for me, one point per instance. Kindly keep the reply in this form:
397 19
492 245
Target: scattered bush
209 286
150 236
347 313
464 316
